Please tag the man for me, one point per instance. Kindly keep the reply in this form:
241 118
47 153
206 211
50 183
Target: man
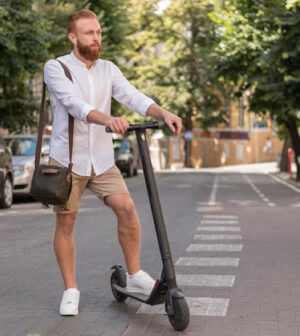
88 99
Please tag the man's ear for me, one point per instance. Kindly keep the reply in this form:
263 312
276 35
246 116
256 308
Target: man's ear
72 38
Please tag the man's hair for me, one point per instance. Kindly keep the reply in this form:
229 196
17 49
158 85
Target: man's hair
81 14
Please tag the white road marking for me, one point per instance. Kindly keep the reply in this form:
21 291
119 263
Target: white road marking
192 261
212 198
243 203
217 236
259 193
209 208
215 247
285 183
222 222
205 280
198 306
219 228
220 216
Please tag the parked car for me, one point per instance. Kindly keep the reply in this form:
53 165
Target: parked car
23 151
6 175
126 156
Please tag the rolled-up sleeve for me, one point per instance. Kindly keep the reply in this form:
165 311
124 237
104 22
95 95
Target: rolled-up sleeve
127 94
63 89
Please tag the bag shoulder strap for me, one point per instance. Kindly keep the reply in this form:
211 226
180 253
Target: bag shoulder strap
42 121
71 118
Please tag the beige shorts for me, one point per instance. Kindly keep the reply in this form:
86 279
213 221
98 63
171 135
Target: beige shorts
109 183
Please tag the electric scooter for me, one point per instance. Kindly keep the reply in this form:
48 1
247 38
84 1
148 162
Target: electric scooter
165 289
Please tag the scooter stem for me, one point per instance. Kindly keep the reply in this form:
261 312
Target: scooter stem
168 266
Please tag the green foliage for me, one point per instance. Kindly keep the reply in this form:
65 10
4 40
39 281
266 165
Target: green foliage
32 31
260 54
278 88
188 58
54 15
191 42
171 57
22 49
139 59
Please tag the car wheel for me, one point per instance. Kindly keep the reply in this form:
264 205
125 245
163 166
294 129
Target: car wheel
7 194
129 171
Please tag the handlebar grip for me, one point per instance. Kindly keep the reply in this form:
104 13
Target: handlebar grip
133 127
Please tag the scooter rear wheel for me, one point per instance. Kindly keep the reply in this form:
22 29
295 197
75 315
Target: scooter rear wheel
181 317
115 280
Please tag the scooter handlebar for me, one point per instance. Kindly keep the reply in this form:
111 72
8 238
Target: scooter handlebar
133 127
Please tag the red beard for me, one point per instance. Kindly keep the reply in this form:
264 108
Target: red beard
90 53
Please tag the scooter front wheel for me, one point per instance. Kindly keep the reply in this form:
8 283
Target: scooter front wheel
114 280
181 317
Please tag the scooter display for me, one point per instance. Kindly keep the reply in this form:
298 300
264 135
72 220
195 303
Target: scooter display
165 289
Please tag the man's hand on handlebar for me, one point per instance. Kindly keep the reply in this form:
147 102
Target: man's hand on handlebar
117 125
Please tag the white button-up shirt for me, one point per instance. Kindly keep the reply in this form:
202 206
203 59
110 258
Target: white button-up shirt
91 89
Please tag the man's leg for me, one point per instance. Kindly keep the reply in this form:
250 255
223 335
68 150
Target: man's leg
64 248
129 231
111 187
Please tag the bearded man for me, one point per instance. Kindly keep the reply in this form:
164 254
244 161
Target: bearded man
88 99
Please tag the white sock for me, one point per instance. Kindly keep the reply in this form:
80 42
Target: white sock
132 275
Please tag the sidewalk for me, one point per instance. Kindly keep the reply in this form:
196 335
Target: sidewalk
259 168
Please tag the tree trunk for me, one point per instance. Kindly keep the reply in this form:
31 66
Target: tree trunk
291 125
284 161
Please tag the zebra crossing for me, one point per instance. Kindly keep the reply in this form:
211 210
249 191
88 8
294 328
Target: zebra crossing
208 306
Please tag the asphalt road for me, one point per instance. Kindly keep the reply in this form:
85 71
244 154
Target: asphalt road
235 243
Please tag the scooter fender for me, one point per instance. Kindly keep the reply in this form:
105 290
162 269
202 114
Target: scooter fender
121 274
175 293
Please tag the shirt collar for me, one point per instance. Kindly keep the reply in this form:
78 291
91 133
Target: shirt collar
78 62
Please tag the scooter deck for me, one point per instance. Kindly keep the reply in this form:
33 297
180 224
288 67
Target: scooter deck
137 296
153 299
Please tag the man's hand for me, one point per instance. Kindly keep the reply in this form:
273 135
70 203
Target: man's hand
173 121
170 119
117 125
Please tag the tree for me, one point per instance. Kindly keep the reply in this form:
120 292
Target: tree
54 15
172 56
258 55
22 40
140 57
279 84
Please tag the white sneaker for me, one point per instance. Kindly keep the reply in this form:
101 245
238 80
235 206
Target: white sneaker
140 282
70 301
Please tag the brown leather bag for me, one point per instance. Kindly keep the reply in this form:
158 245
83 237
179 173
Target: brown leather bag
52 184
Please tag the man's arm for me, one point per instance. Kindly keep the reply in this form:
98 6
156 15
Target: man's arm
116 125
128 95
63 89
170 119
